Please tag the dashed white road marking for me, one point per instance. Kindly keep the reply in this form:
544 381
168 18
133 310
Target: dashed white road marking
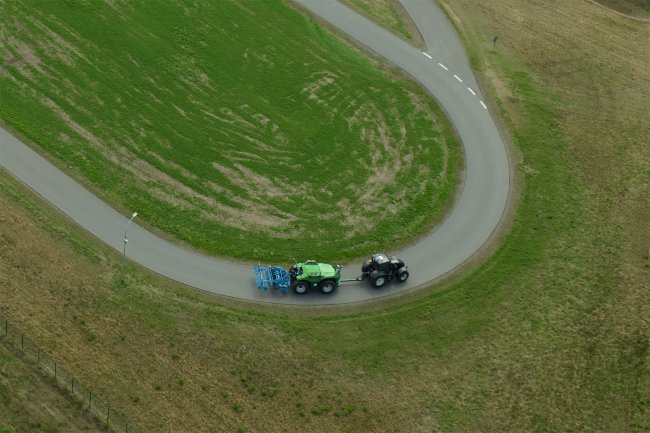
458 78
443 66
483 104
471 91
427 55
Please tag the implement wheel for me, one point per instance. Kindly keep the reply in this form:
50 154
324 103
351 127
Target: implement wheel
300 287
327 286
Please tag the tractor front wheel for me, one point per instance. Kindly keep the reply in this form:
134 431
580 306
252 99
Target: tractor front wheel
402 275
300 287
377 279
327 286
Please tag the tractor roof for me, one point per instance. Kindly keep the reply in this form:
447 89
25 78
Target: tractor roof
381 258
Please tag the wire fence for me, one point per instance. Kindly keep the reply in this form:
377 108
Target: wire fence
66 381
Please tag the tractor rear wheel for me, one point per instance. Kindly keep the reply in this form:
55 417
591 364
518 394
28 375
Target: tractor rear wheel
377 279
300 287
327 286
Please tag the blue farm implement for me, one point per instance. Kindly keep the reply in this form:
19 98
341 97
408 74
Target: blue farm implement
268 277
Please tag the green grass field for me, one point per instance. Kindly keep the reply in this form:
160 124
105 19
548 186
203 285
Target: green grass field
550 334
217 120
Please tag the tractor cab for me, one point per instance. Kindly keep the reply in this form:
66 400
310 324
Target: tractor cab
381 262
384 263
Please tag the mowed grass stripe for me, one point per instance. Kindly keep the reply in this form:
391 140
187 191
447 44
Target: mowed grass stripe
243 129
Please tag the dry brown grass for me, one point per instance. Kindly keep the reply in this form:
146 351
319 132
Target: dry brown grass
32 403
594 63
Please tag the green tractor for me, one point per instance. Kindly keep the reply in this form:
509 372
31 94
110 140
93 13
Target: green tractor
310 274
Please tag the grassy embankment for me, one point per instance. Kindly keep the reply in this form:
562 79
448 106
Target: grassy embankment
550 334
31 403
215 121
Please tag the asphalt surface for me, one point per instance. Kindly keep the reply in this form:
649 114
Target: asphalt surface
442 70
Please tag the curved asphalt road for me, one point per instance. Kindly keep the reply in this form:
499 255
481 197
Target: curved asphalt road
442 70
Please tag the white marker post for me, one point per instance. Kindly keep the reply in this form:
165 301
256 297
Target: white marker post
135 214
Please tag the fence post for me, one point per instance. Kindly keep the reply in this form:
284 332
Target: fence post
56 373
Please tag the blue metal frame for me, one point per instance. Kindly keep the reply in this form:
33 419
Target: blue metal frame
262 277
267 277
